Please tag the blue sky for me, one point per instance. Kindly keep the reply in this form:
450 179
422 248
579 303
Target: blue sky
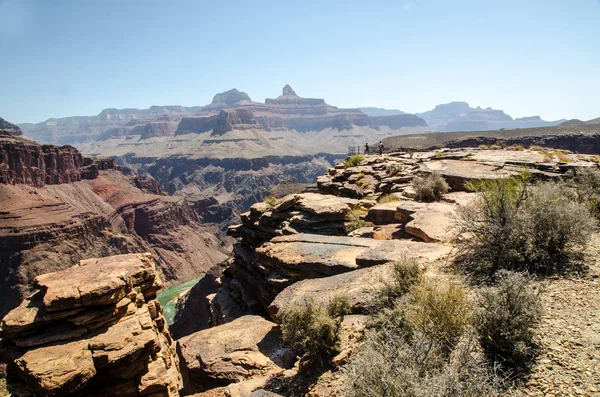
65 58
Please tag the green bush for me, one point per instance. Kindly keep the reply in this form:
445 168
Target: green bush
523 227
506 323
387 198
311 330
270 201
353 160
339 306
430 188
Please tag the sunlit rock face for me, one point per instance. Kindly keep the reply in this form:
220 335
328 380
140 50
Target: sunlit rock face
95 329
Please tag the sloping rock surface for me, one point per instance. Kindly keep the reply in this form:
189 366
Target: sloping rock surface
93 329
247 347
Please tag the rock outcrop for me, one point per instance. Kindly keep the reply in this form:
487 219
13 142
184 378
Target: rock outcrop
94 329
9 128
238 119
245 348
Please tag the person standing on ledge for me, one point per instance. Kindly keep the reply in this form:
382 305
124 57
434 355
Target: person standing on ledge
380 147
367 148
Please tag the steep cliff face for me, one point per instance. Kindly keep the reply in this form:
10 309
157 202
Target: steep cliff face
239 119
95 329
26 162
78 208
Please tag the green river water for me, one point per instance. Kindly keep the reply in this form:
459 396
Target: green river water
168 298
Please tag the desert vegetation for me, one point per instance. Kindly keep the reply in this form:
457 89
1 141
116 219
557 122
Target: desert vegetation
354 160
354 220
520 226
430 188
312 330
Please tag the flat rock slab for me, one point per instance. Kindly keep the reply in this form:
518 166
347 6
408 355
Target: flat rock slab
313 256
247 347
458 172
95 282
358 286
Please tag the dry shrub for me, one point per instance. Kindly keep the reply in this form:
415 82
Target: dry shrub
523 227
339 306
387 198
354 220
412 349
353 161
440 312
430 188
312 330
510 313
405 274
394 169
587 185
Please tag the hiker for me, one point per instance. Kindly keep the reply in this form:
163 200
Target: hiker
380 147
367 148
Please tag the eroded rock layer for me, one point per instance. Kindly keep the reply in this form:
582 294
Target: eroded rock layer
95 329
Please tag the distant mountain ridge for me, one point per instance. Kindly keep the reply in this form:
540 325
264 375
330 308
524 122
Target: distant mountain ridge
288 111
460 116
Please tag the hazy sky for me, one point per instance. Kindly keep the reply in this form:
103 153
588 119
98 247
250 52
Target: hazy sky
64 58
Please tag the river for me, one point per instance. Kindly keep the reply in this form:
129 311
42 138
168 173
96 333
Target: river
168 298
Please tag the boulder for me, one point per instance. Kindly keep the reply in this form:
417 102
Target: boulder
358 286
430 222
245 348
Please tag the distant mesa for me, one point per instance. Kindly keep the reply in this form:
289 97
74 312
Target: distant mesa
374 112
231 97
573 122
9 128
460 116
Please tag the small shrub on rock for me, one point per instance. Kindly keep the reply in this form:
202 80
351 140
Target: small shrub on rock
405 274
311 330
430 188
353 160
270 201
354 220
339 306
387 198
511 312
394 169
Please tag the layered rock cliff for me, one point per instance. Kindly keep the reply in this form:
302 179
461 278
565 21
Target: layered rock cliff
94 329
23 161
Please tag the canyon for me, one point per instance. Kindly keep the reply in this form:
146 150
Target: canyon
59 207
93 325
